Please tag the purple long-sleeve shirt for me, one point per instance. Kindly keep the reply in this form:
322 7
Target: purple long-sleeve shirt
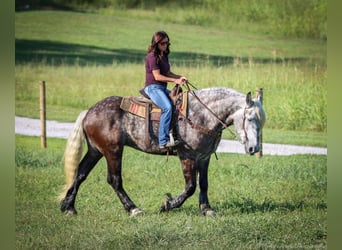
151 64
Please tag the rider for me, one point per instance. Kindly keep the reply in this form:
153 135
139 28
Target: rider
157 75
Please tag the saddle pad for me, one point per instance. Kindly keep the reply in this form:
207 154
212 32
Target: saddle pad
139 105
139 108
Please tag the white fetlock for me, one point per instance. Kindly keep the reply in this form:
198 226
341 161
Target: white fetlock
70 213
210 212
135 212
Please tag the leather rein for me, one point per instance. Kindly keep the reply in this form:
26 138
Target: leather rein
203 129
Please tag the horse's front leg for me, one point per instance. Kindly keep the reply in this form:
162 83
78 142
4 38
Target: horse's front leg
189 172
114 178
203 184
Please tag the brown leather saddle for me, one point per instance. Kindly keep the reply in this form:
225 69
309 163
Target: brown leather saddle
144 107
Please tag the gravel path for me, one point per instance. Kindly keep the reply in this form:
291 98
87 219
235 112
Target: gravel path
31 127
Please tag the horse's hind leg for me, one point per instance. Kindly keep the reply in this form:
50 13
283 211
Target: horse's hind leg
190 173
86 165
114 178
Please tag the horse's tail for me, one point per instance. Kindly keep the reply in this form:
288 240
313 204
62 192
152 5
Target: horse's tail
73 153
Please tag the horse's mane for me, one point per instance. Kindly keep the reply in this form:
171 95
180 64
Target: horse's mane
260 112
219 92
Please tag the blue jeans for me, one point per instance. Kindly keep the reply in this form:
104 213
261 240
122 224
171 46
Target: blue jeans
160 96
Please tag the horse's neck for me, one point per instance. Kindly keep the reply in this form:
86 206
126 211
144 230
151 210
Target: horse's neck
221 101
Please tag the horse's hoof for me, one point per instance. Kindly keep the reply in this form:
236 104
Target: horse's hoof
136 212
210 213
70 212
166 206
206 210
66 209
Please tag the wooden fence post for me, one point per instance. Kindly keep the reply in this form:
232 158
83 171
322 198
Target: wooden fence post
42 110
259 96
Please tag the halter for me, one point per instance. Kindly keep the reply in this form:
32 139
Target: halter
244 123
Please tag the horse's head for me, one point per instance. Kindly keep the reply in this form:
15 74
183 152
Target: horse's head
248 123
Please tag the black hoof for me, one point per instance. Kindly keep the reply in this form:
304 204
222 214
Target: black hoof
166 205
206 210
67 209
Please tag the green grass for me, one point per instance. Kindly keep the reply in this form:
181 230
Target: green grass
125 30
278 201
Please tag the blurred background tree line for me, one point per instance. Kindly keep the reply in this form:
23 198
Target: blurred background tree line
291 18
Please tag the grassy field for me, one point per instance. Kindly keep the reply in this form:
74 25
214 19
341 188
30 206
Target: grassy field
276 202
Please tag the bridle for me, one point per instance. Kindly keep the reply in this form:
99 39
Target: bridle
244 123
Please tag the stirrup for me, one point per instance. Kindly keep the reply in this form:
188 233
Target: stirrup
172 140
170 144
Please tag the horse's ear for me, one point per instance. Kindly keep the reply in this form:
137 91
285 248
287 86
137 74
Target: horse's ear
249 101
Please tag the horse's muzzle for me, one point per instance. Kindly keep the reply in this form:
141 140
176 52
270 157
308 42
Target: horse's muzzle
252 150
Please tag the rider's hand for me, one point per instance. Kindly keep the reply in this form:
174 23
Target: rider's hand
181 80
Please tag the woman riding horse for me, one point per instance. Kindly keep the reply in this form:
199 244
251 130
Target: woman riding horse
158 73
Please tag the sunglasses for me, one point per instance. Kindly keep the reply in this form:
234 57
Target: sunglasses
164 43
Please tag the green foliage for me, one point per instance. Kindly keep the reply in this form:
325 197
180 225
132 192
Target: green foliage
275 202
295 18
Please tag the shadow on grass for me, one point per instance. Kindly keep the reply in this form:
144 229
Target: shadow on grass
250 206
57 53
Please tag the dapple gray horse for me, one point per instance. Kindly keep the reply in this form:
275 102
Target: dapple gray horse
107 129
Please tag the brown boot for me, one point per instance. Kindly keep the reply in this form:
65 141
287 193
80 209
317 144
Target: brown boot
169 144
